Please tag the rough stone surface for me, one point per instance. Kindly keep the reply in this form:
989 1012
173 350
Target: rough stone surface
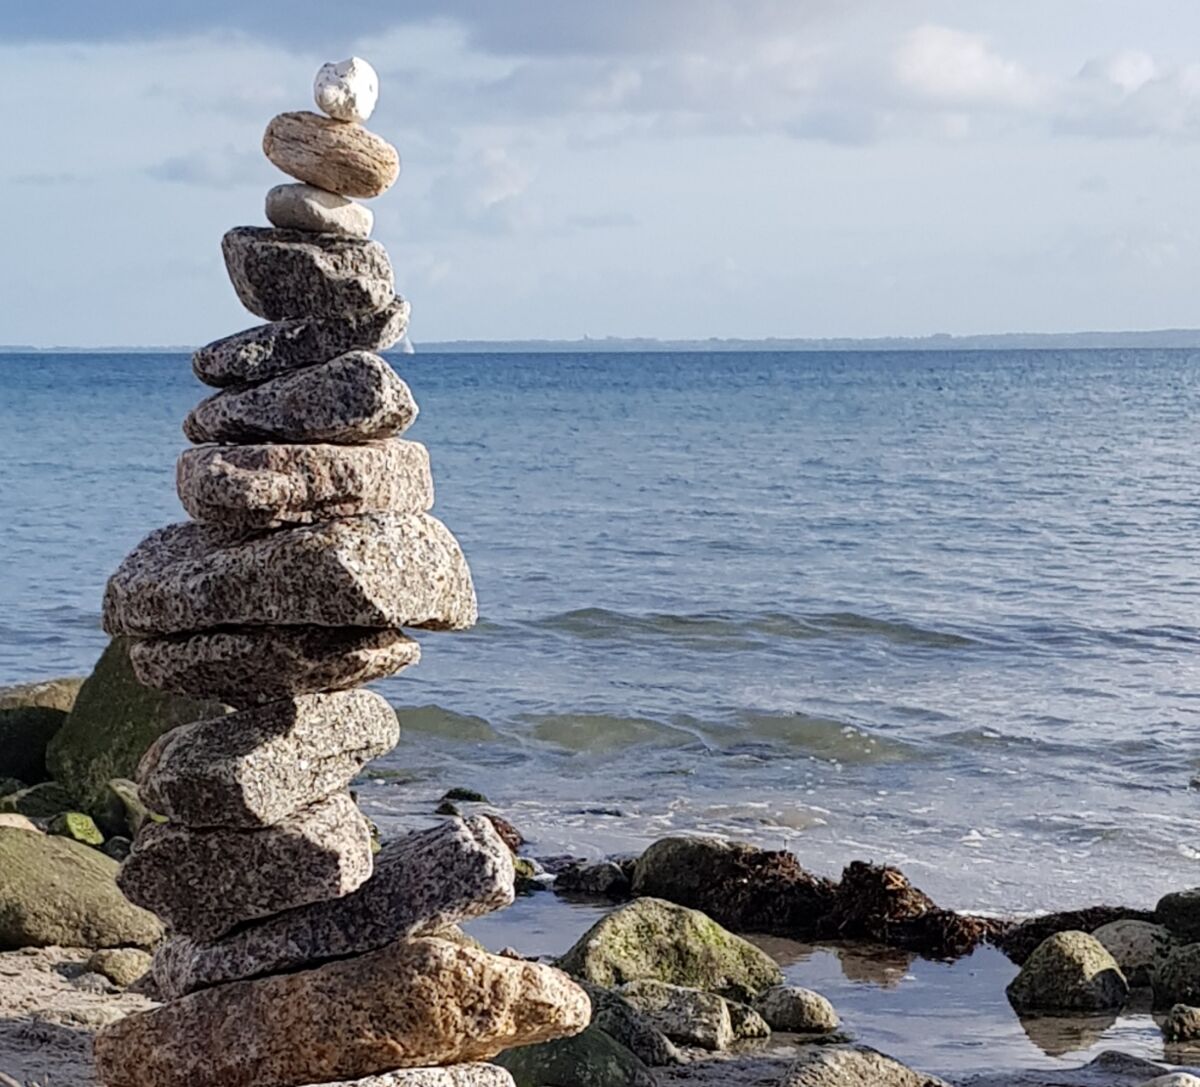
121 965
590 1059
30 715
256 766
853 1066
266 486
283 274
408 1005
19 822
459 1075
1138 947
620 1020
1179 911
1177 979
112 722
686 1016
347 90
356 397
56 891
264 351
1019 941
203 882
305 207
340 158
797 1011
653 939
77 826
1182 1024
603 880
747 1024
422 883
38 801
738 885
379 570
249 665
1070 971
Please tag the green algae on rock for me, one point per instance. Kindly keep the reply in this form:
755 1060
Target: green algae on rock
1069 971
589 1059
30 715
77 826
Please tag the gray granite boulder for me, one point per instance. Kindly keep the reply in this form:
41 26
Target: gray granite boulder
277 348
282 274
686 1016
1069 971
422 883
204 882
246 666
853 1066
1179 911
256 766
795 1010
1138 947
624 1023
265 486
356 397
379 570
456 1075
305 207
414 1003
1177 978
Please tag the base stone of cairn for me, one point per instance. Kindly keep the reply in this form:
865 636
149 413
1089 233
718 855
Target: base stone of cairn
293 956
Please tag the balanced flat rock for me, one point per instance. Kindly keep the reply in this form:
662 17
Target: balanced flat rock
258 353
254 767
280 274
203 882
305 207
246 666
378 570
457 1075
356 397
265 486
342 158
410 1004
422 882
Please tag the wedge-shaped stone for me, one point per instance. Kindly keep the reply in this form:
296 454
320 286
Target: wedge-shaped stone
203 882
280 274
379 570
264 486
410 1004
423 882
254 767
266 350
340 158
252 665
457 1075
356 397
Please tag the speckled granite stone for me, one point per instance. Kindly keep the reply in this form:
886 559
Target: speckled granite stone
378 570
246 666
203 882
423 882
356 397
410 1004
264 486
457 1075
279 274
341 158
258 353
254 767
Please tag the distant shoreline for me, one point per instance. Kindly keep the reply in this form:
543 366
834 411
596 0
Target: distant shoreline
1160 339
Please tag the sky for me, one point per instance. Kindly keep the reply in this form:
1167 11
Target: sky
669 168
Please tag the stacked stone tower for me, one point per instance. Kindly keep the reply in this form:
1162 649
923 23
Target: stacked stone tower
294 956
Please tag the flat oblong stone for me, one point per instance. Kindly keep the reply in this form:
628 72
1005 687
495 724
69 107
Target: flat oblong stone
342 158
379 570
305 207
279 274
264 351
265 486
257 766
356 397
204 882
422 882
246 666
457 1075
411 1004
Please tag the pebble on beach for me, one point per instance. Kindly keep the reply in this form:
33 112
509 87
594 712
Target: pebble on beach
347 90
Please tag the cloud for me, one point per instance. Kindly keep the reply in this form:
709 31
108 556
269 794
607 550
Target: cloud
486 193
225 169
1131 95
954 68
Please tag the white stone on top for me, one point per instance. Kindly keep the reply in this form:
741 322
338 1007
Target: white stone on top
347 90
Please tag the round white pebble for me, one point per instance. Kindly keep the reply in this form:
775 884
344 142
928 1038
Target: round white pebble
347 90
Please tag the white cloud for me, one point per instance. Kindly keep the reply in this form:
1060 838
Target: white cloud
954 68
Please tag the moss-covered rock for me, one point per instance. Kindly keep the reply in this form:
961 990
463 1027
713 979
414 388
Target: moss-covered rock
795 1010
621 1021
121 965
1138 946
114 720
1177 979
39 801
78 827
590 1059
56 891
1069 972
653 939
30 715
686 1016
1179 911
853 1066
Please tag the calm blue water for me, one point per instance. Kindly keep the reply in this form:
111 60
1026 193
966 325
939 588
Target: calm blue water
935 609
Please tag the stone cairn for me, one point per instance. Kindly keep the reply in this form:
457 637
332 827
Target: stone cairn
293 955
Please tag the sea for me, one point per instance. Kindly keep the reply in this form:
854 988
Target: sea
934 609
